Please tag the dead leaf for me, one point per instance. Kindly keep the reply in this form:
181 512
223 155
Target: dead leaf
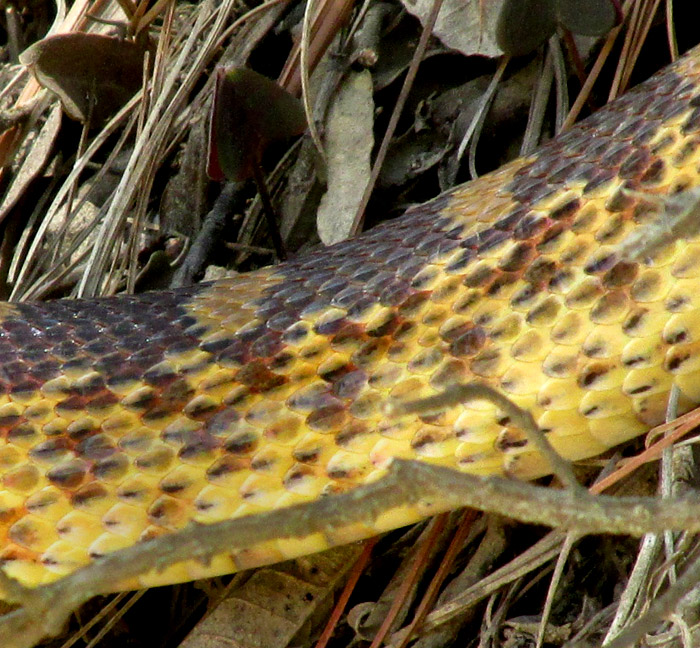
349 142
274 605
468 26
93 75
34 163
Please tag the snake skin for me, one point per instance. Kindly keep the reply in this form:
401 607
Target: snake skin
126 418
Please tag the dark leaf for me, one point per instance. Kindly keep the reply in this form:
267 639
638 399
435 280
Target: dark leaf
87 72
593 18
524 25
249 112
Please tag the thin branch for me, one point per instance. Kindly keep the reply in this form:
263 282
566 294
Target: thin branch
460 394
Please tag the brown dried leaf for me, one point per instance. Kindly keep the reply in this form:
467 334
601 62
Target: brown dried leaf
93 75
468 26
272 606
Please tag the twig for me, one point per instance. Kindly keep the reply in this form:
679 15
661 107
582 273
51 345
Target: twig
208 237
268 209
460 394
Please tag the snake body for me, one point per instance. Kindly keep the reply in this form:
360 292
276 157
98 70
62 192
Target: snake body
125 418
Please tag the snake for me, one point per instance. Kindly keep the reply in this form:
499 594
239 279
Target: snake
129 417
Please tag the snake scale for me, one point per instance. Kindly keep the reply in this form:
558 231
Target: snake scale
125 418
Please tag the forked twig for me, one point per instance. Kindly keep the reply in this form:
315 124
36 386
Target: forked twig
460 394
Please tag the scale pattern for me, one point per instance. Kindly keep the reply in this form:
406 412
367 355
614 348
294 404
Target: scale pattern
125 418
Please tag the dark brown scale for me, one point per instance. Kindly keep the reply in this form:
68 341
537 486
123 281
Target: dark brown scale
23 432
296 475
541 271
508 441
259 378
621 274
387 327
101 402
351 432
503 281
296 333
450 373
676 304
359 309
692 122
220 468
482 276
112 468
327 418
601 263
159 458
675 358
620 201
486 362
599 179
676 337
654 173
519 257
306 455
469 343
237 354
491 239
81 430
330 326
88 494
525 296
637 162
461 261
592 374
244 443
165 511
348 336
69 474
565 211
550 237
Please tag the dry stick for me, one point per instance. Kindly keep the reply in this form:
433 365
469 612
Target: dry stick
671 31
396 114
667 476
585 91
538 105
639 41
269 211
114 619
416 567
473 133
446 564
661 607
633 18
304 67
338 609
